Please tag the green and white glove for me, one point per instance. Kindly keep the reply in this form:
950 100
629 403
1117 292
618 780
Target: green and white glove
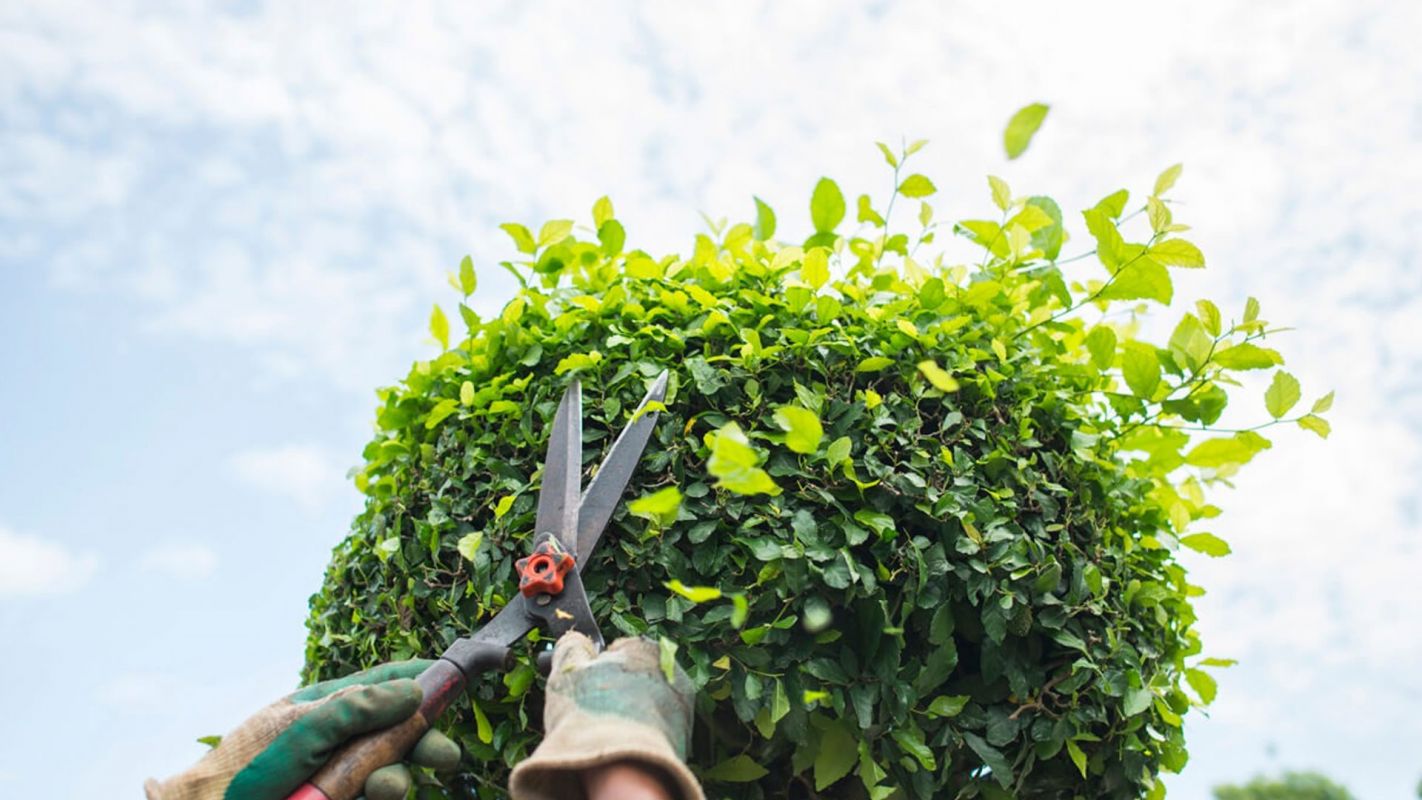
605 708
276 750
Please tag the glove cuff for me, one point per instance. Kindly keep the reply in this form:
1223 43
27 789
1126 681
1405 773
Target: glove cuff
553 771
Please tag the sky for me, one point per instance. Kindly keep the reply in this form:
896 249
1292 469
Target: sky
223 225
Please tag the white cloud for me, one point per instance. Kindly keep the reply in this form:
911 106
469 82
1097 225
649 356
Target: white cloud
301 472
32 566
184 561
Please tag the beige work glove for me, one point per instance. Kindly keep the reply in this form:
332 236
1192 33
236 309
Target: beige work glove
600 709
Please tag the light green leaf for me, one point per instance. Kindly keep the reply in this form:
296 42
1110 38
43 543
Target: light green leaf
440 412
466 393
1109 244
1001 194
554 231
740 607
660 506
1203 683
1177 253
1077 757
1209 316
836 757
602 211
439 327
468 544
1248 356
468 280
838 451
917 185
522 239
937 376
1140 278
1207 543
1140 366
814 269
484 730
1316 424
888 155
1159 214
1251 310
578 361
1022 127
1189 344
1101 343
874 364
910 740
1221 663
666 650
696 594
1283 394
826 206
736 769
802 427
948 705
1323 404
764 221
502 507
733 463
1227 451
1166 180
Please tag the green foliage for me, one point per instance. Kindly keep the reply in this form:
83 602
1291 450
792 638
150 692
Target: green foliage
1290 786
914 527
1023 126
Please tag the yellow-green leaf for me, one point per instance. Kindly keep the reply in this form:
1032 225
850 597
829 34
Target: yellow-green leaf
1207 543
468 544
466 393
439 327
660 506
1077 757
917 185
1022 127
554 231
1315 423
1203 683
602 211
522 239
814 270
667 656
1166 179
1177 253
1282 394
802 427
826 206
733 463
1141 368
1323 404
468 280
1001 194
503 505
937 376
737 769
696 594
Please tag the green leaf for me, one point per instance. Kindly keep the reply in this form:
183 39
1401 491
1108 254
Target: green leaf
1248 356
888 155
483 729
991 757
937 376
469 545
1316 424
1323 404
660 506
1140 366
696 594
1101 343
1203 683
468 281
1189 344
439 327
874 364
736 769
602 211
466 393
733 463
612 237
1207 543
948 705
1282 394
1077 757
1219 662
764 221
554 231
1140 279
1227 451
210 741
519 679
440 412
1177 253
1209 316
666 649
1166 180
577 362
917 185
1113 204
1109 243
910 740
802 427
836 756
522 239
1001 194
838 451
826 206
502 507
1022 127
814 269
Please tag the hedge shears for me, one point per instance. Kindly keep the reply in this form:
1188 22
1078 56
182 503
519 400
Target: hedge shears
567 527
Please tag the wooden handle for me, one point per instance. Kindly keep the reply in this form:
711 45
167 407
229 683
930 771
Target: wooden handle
343 777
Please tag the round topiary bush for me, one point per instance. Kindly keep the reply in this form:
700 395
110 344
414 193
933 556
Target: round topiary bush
912 528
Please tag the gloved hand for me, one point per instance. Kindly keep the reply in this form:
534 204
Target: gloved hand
605 708
278 748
